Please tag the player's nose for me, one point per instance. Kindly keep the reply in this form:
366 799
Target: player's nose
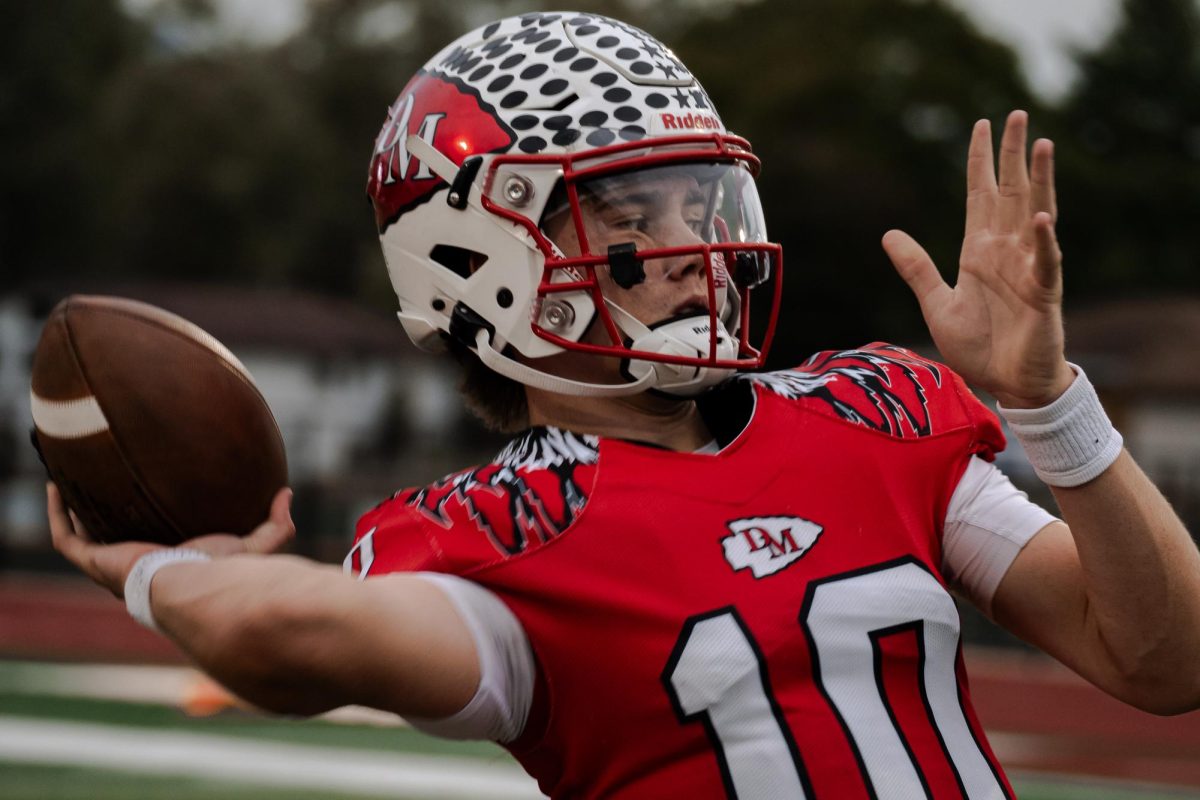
685 265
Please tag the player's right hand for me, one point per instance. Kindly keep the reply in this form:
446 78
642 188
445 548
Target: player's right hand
1000 326
109 564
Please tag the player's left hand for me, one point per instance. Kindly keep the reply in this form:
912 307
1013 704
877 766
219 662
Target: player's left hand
1000 326
109 564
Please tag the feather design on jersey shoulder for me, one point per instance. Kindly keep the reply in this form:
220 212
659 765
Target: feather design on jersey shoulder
529 494
541 448
883 387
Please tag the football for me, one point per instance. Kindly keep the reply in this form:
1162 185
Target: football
152 429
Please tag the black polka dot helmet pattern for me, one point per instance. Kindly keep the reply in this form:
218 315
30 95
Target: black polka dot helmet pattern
492 165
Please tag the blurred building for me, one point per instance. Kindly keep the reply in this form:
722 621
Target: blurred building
1143 355
362 412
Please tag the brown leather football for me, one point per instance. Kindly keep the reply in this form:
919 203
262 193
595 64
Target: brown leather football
151 428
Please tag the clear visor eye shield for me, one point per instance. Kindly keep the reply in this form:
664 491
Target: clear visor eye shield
703 187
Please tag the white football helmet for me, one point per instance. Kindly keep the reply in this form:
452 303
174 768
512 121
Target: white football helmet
540 115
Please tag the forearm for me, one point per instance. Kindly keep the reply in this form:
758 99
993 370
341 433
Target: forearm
285 633
1115 593
1141 576
249 622
297 637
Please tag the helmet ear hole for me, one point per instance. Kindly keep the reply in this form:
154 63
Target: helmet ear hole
459 260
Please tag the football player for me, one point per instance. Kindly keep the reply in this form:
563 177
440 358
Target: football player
685 578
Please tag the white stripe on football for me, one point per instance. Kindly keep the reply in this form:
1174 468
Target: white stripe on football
67 419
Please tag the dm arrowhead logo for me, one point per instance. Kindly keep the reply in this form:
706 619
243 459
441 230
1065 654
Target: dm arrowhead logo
765 545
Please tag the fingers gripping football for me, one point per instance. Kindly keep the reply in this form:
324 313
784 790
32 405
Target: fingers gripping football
268 537
109 564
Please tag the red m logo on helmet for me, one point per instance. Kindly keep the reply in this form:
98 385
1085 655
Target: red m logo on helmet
392 142
447 114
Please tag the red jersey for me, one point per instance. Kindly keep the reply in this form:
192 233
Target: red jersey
765 622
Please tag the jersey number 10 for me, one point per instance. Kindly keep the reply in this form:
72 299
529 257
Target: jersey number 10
716 676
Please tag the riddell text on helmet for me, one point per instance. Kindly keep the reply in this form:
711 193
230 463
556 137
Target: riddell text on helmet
690 122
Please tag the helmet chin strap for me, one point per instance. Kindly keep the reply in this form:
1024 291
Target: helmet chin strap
681 337
496 361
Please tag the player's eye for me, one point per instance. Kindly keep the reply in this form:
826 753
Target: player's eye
633 222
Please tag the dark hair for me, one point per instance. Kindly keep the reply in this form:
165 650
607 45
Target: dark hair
497 401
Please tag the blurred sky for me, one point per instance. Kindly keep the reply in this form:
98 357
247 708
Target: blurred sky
1042 31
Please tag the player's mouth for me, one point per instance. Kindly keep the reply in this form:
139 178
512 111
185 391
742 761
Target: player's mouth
692 308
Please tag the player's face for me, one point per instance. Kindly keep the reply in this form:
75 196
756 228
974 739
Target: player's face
671 209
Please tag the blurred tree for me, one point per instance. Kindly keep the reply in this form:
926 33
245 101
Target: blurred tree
159 150
1130 156
162 148
861 111
55 60
242 163
219 157
225 161
349 63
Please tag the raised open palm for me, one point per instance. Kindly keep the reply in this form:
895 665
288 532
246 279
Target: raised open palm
1000 325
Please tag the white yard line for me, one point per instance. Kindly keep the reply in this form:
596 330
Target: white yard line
161 752
141 683
134 683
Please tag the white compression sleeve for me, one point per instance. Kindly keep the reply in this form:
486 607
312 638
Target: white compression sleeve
501 703
987 523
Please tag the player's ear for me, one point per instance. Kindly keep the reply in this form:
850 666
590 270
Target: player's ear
461 261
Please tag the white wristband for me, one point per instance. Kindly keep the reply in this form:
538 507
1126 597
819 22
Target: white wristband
1069 442
137 583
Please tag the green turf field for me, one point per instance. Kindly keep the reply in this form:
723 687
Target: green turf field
42 780
1029 788
52 781
36 782
29 782
241 724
